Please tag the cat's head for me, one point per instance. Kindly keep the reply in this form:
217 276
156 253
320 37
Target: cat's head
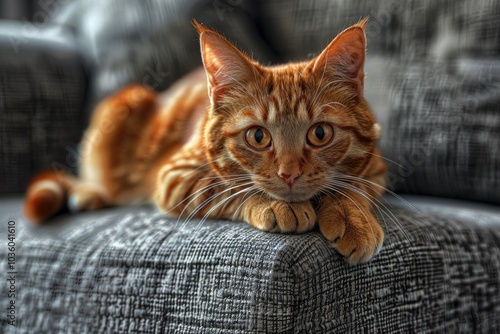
291 127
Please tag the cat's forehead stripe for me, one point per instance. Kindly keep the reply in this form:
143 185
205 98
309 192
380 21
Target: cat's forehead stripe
286 96
272 111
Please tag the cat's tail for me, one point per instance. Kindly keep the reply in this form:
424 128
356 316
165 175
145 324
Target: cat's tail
52 192
47 194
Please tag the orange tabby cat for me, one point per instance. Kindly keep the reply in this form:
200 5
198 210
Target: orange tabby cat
283 148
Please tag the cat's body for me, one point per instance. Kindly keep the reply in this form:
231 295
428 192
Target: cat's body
283 148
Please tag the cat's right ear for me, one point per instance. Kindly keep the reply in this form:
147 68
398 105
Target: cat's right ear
345 56
225 65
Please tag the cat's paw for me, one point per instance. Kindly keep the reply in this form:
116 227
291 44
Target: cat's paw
277 216
86 197
354 233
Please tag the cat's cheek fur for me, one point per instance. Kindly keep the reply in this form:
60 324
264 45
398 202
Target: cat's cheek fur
335 153
247 158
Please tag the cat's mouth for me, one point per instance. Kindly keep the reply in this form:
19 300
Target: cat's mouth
277 189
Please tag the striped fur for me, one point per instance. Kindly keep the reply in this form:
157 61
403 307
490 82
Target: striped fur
284 148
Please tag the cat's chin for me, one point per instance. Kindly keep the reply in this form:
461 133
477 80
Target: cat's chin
291 196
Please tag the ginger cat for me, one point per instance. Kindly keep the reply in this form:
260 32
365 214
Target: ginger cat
283 147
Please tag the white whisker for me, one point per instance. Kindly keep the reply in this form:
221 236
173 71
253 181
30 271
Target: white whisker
388 160
244 88
224 202
325 87
376 203
256 191
209 199
330 104
374 184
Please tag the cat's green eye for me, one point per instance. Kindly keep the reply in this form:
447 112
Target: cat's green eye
258 138
320 134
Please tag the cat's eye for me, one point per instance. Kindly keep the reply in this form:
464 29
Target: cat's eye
320 134
258 138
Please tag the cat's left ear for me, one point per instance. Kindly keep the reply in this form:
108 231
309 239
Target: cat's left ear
345 56
225 65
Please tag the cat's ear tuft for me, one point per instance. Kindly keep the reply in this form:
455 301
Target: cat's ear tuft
345 56
224 64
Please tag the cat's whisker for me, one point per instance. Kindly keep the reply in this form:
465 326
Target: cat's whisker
198 192
363 212
230 177
218 108
242 110
260 197
372 199
201 166
385 189
316 94
330 104
360 208
338 190
227 202
388 160
224 202
394 219
244 200
210 199
326 86
195 195
244 87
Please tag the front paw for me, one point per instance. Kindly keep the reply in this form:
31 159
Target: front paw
353 232
277 216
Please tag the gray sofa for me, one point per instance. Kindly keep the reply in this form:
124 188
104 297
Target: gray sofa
433 78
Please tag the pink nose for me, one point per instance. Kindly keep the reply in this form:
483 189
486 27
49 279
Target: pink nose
290 178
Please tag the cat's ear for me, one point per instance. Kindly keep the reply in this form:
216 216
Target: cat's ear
225 65
345 56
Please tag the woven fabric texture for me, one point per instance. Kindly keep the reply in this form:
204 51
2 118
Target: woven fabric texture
125 270
42 92
413 29
443 135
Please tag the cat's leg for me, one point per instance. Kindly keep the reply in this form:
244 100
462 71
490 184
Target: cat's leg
347 222
111 171
346 218
115 158
188 187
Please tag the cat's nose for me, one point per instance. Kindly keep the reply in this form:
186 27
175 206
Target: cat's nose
290 177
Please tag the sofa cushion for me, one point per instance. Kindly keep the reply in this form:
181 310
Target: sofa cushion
43 87
134 270
413 29
157 42
442 131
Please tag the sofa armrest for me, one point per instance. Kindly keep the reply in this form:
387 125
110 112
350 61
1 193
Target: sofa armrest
133 270
42 94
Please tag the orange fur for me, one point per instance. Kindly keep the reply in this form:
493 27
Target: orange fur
283 148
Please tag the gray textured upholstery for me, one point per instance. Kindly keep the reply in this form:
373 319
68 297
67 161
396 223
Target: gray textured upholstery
133 270
42 94
443 135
